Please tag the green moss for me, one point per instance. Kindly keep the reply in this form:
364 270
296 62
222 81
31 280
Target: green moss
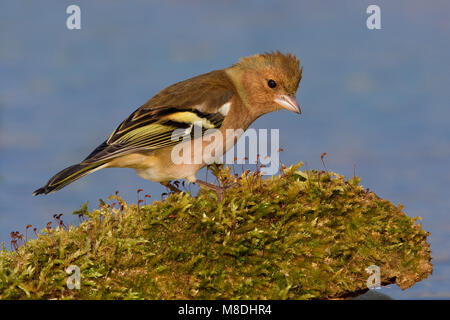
299 235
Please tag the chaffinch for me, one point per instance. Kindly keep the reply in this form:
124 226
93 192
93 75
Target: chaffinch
230 98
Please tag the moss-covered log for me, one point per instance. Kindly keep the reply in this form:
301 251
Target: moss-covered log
299 235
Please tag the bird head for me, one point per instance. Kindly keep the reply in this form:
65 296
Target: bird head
269 81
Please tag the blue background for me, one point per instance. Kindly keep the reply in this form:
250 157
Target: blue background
375 98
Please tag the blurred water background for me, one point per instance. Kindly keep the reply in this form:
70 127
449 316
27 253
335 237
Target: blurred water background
378 99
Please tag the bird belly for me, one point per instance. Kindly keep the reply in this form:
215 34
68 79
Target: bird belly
156 166
164 173
154 174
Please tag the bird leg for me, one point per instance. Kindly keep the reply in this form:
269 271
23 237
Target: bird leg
218 189
171 187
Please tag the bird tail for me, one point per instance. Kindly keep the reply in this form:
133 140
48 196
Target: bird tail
68 175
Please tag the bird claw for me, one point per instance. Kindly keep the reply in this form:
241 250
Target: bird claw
171 187
218 189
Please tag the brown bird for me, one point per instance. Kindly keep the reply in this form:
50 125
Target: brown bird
230 98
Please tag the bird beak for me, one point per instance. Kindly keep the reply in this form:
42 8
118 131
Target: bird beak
288 103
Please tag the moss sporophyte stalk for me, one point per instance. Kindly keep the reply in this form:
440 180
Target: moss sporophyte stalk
303 234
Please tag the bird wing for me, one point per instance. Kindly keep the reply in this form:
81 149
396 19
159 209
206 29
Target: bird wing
200 101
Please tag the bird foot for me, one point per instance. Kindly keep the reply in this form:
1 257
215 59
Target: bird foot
171 187
218 189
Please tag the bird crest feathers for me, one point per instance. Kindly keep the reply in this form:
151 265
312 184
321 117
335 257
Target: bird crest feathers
287 63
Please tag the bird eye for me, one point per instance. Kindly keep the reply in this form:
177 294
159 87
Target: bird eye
272 84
